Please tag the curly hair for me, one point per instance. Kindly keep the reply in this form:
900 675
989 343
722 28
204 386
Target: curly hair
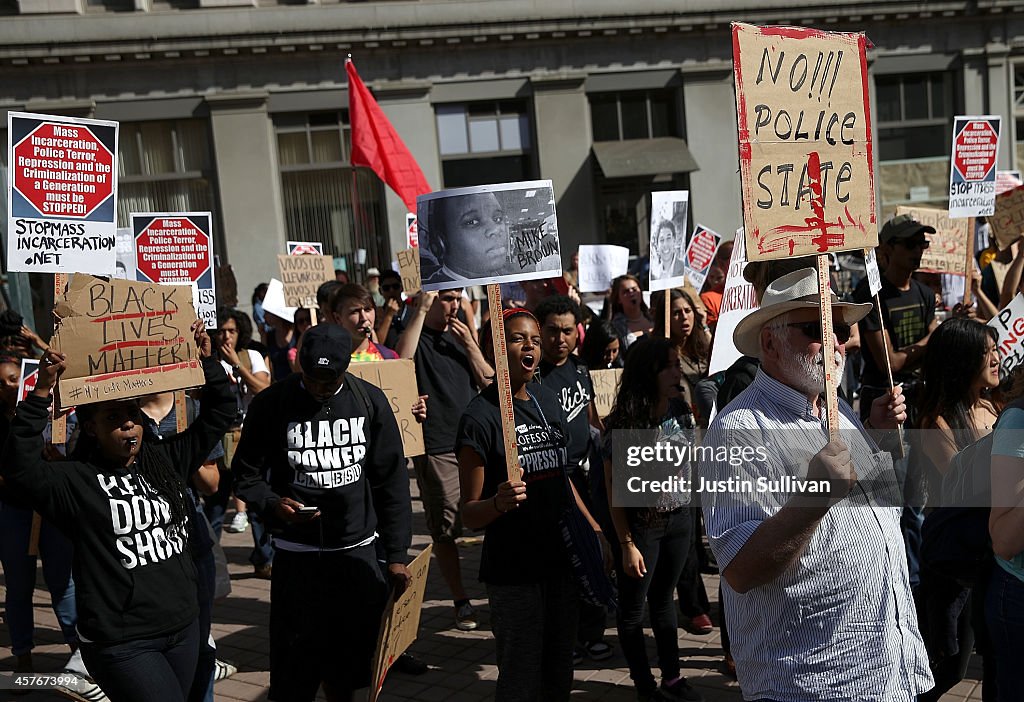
638 389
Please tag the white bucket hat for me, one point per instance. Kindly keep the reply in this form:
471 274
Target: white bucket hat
794 291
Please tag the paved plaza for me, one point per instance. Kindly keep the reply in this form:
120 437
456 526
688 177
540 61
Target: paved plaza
462 663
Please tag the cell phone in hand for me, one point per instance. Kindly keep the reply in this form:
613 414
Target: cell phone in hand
307 510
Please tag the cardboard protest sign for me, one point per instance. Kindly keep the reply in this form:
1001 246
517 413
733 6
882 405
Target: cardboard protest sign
302 248
409 269
178 248
61 213
606 387
972 168
488 234
1009 324
668 239
948 246
599 265
871 268
411 231
397 380
1008 221
400 623
301 276
805 141
124 339
738 300
700 254
29 375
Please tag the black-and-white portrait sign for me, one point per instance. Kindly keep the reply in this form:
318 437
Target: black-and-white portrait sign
668 239
488 234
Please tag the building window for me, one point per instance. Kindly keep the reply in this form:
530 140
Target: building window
915 113
164 166
638 114
484 142
326 199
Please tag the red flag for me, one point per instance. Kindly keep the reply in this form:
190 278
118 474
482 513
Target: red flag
376 144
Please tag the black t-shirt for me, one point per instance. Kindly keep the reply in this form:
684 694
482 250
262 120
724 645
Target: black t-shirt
442 372
525 545
572 384
908 314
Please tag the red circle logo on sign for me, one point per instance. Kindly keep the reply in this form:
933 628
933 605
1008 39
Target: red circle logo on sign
975 150
702 250
63 170
172 249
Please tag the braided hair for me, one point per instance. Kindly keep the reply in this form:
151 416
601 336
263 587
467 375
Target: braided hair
152 467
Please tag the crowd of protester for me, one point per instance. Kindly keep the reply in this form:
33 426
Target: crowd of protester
828 598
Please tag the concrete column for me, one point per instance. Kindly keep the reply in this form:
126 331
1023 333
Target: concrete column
563 143
408 108
1000 99
710 105
245 152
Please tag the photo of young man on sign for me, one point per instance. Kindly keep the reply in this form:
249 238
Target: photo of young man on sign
488 234
668 238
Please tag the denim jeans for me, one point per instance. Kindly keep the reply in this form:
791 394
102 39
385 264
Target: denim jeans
664 546
1004 612
146 670
56 552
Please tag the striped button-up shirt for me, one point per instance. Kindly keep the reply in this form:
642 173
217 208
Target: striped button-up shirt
839 624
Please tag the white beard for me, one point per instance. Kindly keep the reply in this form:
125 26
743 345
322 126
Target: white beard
807 373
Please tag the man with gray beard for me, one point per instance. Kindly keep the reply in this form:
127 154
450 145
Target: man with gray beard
815 583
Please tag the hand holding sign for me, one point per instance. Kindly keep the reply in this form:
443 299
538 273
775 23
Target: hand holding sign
51 365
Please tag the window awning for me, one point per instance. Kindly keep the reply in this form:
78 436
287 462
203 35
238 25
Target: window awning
644 157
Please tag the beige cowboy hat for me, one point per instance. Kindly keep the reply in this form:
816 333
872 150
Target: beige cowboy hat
794 291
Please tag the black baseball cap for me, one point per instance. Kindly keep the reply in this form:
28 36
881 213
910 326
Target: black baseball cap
326 350
902 227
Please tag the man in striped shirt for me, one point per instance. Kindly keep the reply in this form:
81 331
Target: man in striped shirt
815 583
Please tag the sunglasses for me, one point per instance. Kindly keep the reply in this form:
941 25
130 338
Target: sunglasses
812 330
914 243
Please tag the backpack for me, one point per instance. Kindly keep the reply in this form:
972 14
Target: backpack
954 538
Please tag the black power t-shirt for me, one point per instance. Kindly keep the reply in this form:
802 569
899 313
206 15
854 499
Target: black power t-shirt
524 545
442 372
572 385
907 314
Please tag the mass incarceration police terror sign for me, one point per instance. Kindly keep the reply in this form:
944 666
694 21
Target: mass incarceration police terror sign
178 248
972 172
804 140
63 189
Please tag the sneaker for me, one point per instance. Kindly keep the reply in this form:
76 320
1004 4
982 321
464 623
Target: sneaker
598 650
81 688
410 665
465 617
577 656
239 524
699 625
680 690
223 670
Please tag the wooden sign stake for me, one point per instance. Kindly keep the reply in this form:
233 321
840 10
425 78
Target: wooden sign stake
180 411
312 317
501 377
969 270
827 350
668 313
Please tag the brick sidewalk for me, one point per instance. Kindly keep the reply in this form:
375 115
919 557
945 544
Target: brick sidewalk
462 668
